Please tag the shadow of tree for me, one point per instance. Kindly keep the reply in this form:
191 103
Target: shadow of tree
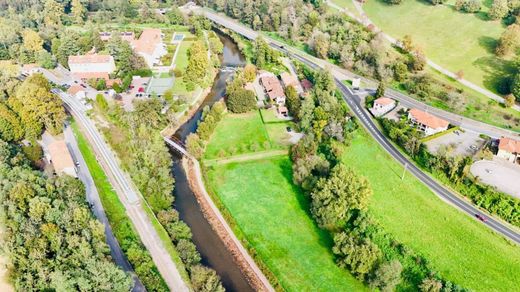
488 43
497 72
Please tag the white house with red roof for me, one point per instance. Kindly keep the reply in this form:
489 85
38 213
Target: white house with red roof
150 46
426 122
273 88
92 66
509 149
382 106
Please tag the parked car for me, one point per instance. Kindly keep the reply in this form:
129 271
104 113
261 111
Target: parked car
289 129
481 218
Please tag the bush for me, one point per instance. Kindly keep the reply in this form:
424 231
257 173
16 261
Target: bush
101 102
468 6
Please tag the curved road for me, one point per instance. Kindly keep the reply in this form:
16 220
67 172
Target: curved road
353 102
128 196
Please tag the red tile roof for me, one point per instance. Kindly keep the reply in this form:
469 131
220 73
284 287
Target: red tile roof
384 101
289 79
91 75
306 85
148 41
89 59
509 145
272 87
74 89
428 119
60 156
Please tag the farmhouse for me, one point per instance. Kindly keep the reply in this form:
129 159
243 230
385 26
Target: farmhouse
58 154
509 149
273 89
150 46
427 123
382 106
92 66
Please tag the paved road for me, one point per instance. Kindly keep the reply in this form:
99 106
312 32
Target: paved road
353 102
128 196
343 74
96 206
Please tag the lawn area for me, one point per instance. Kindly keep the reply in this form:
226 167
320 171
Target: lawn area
454 40
279 227
181 61
461 248
245 133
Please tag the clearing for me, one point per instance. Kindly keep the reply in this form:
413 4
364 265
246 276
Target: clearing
461 248
279 227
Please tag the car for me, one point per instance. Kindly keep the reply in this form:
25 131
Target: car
289 129
473 147
481 218
83 85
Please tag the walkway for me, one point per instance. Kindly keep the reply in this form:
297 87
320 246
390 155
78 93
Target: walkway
246 157
366 22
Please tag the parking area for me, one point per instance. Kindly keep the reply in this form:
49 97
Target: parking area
463 142
503 175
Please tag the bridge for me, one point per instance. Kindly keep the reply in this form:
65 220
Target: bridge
228 69
177 145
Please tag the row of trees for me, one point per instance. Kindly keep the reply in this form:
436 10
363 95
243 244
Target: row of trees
453 170
196 142
51 238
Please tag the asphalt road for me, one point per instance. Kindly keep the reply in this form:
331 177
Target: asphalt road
97 208
353 102
128 197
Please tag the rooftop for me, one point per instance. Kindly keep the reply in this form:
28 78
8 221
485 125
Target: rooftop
148 41
289 79
272 86
60 156
75 89
509 145
384 101
89 59
427 119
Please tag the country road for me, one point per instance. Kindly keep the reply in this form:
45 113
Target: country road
128 196
353 101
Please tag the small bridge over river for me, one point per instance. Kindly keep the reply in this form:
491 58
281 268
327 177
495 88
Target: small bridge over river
177 145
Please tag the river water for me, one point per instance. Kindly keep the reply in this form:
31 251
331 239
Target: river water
214 253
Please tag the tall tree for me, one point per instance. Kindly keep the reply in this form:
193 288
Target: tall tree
52 11
78 11
198 63
509 41
32 40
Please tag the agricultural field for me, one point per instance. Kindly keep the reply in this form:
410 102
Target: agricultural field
297 252
244 133
461 248
454 40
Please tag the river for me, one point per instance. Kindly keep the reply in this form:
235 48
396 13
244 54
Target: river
212 249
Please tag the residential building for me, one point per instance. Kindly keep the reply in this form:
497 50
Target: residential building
382 106
426 122
509 149
273 89
150 46
77 91
289 79
58 154
92 66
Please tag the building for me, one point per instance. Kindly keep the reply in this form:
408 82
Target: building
427 123
273 89
150 46
509 149
77 91
59 155
92 66
382 106
289 79
282 110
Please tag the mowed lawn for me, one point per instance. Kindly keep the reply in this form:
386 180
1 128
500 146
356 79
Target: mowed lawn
454 40
271 213
461 248
181 61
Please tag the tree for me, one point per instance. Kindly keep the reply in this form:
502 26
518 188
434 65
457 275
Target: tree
205 280
380 91
250 72
400 71
430 285
393 2
175 16
68 46
509 41
509 100
10 126
437 2
101 102
52 11
32 40
334 198
515 86
387 276
499 9
45 60
320 43
198 63
468 6
239 100
356 253
293 102
195 145
78 11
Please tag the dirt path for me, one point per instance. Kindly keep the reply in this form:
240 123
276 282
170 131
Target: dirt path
246 157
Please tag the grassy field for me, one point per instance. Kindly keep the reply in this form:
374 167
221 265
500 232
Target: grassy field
461 248
454 40
279 227
246 133
181 61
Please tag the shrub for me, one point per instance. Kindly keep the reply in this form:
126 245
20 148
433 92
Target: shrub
241 100
468 6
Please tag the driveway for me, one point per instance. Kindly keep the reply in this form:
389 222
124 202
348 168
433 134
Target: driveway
503 175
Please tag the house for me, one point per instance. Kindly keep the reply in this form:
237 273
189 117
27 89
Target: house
273 89
289 79
58 154
29 69
150 46
509 149
282 110
92 66
427 123
77 91
382 105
